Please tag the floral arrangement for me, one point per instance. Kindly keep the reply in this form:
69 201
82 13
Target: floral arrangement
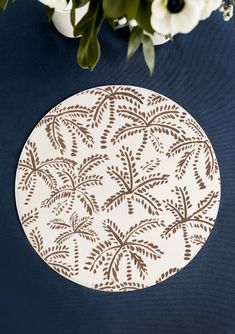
144 17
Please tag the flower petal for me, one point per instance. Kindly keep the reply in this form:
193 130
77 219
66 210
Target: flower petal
185 20
161 25
208 7
158 9
216 4
57 4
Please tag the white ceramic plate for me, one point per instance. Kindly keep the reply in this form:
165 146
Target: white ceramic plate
117 188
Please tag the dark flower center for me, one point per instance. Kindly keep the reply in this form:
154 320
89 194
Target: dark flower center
175 6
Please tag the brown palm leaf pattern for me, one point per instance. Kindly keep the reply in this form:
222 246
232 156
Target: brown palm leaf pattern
30 217
155 98
198 239
75 227
132 186
68 118
119 287
150 125
190 150
184 216
150 165
107 99
167 274
55 256
107 94
117 188
109 254
75 183
33 169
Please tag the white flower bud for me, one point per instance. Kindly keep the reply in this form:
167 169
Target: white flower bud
133 23
122 21
228 12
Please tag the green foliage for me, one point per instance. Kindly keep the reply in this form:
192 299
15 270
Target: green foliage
110 10
135 40
76 4
80 3
143 16
88 28
148 49
137 37
4 3
50 12
114 9
133 9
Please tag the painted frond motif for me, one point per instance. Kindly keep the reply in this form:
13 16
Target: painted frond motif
107 99
76 226
30 217
33 169
191 150
167 274
185 216
117 188
107 94
151 165
54 256
132 186
109 254
75 184
68 118
155 98
198 239
150 125
120 286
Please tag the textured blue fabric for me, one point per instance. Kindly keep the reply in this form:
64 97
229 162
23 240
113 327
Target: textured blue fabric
38 69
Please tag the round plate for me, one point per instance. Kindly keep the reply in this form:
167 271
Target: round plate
117 188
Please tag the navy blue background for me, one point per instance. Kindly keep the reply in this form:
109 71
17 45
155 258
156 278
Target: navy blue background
38 69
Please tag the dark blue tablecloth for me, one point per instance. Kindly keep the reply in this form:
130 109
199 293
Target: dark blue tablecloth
38 69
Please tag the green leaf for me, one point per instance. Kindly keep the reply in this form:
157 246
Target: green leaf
149 54
73 13
111 22
131 7
118 8
3 4
76 4
89 53
88 28
134 41
143 15
80 3
50 12
114 8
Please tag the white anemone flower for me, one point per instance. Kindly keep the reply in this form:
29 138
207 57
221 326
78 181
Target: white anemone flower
175 16
207 7
57 4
